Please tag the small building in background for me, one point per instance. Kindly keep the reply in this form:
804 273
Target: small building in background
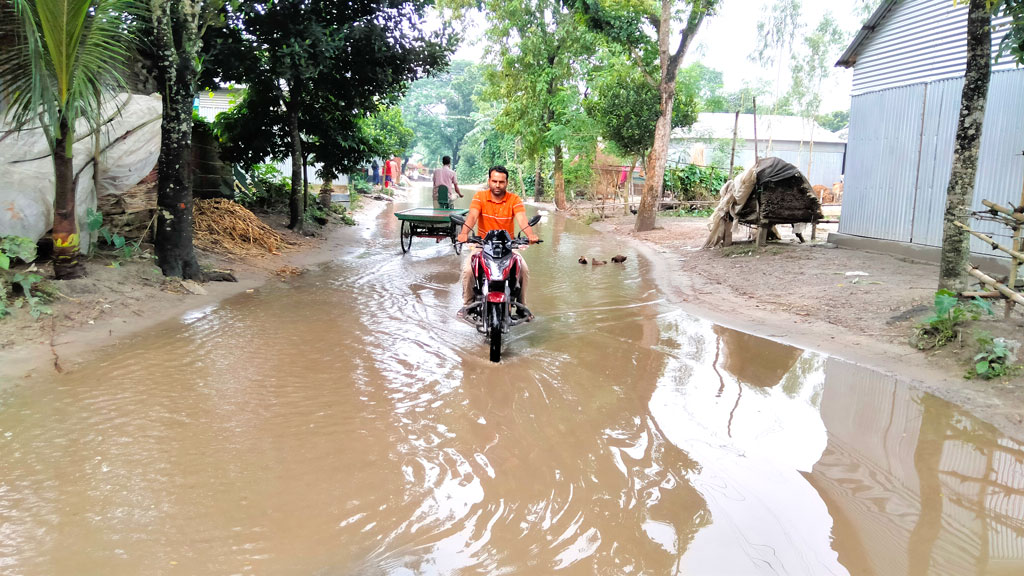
908 64
799 141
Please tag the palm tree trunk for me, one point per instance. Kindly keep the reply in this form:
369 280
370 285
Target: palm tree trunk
960 194
66 243
559 179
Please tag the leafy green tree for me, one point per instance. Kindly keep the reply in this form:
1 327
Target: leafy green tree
540 48
834 121
68 54
811 67
329 62
440 109
777 33
645 31
625 105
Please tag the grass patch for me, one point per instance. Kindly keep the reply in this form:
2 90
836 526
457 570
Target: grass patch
690 213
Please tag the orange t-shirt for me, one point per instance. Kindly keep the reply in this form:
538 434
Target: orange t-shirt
496 215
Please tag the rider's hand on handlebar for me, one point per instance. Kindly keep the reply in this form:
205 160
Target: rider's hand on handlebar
533 238
463 236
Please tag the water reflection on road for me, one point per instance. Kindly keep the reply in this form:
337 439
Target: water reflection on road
341 422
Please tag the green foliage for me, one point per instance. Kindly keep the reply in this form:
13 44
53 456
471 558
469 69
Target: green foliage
626 106
388 133
343 213
692 182
18 248
118 243
440 111
269 188
702 212
944 326
358 183
834 121
993 359
324 66
68 56
1013 42
813 64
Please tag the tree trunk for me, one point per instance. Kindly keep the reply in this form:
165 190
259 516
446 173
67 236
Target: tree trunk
66 241
960 194
305 184
559 180
669 63
178 44
538 180
656 161
295 213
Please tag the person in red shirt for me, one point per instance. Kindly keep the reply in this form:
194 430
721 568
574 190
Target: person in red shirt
494 208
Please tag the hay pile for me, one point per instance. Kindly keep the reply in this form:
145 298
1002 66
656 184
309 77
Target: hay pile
224 226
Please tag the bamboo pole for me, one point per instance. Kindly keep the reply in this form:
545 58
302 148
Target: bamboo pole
1004 210
1015 264
735 134
1002 288
755 131
991 242
981 294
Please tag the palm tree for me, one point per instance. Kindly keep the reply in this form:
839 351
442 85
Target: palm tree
67 56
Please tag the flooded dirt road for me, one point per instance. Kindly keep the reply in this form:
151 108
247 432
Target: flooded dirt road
341 422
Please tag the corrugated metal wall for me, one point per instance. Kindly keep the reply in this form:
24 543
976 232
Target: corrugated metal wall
919 41
900 156
825 170
881 163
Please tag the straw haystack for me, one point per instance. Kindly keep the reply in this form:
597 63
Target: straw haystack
226 227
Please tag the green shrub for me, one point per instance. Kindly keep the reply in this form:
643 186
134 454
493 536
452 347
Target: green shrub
993 359
269 189
944 325
693 182
19 248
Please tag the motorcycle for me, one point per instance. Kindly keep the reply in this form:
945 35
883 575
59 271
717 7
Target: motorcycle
496 305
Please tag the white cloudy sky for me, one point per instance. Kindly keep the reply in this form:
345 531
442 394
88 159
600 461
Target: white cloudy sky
726 41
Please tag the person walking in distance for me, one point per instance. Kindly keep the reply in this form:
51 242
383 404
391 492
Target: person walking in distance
445 176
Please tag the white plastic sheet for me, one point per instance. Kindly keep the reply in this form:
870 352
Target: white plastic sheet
131 145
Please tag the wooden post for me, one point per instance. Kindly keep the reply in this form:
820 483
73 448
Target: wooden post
1017 245
755 130
735 134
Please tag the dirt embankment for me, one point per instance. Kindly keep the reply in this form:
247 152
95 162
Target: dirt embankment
855 305
121 297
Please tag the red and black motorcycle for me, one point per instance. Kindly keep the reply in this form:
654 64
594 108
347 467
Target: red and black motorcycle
497 273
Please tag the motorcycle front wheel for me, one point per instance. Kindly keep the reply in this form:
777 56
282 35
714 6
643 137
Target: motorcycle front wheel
494 331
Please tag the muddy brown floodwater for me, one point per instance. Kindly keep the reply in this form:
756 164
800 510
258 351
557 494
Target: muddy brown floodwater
342 422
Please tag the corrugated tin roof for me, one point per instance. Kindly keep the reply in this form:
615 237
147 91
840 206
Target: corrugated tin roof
849 57
778 128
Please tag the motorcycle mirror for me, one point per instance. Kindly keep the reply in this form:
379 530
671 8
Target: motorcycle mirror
458 219
534 220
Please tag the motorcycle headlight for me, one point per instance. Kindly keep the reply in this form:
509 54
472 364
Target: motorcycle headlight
496 269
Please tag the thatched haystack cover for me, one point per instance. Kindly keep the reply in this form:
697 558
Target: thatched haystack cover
771 192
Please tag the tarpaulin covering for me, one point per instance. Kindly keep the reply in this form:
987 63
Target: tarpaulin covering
129 144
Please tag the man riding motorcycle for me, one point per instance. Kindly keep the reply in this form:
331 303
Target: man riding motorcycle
494 209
